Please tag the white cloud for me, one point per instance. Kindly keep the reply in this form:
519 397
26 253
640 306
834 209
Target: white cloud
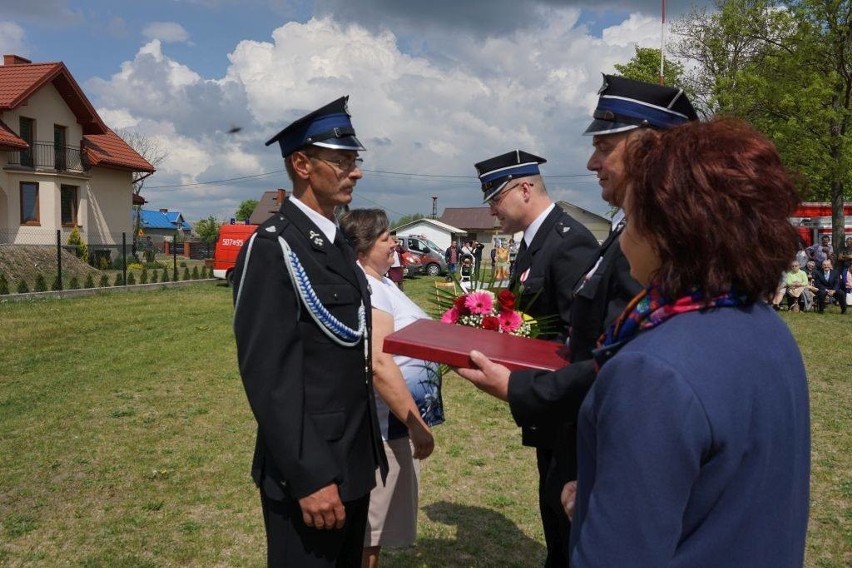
433 113
167 32
12 38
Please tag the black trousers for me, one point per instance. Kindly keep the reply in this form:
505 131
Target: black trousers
289 542
553 518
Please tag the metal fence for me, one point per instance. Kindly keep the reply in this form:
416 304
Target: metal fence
33 260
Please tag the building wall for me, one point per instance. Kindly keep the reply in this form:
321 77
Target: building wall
104 195
106 211
435 234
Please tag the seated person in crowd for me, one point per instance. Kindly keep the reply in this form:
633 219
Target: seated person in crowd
797 288
829 286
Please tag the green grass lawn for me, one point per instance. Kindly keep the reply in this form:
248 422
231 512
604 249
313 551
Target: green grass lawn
125 440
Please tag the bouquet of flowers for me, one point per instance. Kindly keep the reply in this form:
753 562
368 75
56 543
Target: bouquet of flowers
489 310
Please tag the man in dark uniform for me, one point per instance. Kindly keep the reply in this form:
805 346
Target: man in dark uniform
626 109
301 320
554 251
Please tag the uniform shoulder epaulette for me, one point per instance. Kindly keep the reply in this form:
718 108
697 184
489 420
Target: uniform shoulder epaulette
272 227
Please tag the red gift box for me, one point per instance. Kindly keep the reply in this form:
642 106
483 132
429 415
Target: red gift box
451 344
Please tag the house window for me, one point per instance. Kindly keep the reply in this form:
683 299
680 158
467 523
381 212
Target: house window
28 135
69 205
60 160
29 203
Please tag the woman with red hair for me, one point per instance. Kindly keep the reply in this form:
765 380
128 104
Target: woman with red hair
693 442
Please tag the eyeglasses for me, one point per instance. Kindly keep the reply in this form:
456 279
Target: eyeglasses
342 164
494 201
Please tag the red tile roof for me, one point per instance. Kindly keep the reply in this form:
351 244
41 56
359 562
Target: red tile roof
10 140
470 218
111 150
19 79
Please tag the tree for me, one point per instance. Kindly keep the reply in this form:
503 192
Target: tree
245 209
207 230
405 219
645 66
149 149
784 67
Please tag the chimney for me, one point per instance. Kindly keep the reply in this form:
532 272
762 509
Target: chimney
282 195
164 210
11 59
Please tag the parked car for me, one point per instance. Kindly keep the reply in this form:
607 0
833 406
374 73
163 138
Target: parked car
431 256
410 263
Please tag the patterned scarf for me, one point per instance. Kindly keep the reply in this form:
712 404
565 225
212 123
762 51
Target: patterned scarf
648 310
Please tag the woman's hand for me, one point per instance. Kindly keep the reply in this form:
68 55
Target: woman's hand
568 497
422 440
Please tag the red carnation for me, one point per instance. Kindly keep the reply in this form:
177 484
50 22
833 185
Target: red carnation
506 300
458 304
490 323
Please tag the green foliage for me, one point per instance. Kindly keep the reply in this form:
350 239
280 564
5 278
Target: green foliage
208 229
102 262
165 277
182 264
104 283
119 280
90 281
154 277
154 264
244 211
405 219
40 283
149 255
80 248
195 272
645 66
785 71
73 283
143 278
57 283
186 274
23 288
4 285
131 279
134 266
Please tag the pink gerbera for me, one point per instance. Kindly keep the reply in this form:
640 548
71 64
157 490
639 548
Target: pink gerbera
510 321
450 316
480 302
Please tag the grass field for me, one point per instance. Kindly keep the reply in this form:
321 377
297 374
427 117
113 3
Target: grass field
125 440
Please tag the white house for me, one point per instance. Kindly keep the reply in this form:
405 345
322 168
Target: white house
439 233
61 167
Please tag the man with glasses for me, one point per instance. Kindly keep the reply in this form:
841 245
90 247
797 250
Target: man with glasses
301 321
551 257
626 110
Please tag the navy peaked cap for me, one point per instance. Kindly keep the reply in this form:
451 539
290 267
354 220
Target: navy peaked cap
625 104
328 127
495 173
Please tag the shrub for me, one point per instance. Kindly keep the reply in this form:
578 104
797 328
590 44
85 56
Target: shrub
134 266
131 280
119 280
165 277
182 264
40 283
153 265
143 278
22 287
57 283
90 281
149 255
194 273
80 248
154 277
118 263
73 284
103 262
104 283
186 275
4 285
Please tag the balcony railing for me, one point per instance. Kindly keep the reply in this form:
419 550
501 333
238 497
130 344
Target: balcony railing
49 156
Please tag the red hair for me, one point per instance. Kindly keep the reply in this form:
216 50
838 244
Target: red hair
714 200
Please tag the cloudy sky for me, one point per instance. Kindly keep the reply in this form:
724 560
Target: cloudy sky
434 86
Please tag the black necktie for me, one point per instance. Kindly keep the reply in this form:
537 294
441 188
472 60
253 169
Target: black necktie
522 249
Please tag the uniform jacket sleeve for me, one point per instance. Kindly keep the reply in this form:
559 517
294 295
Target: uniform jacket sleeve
270 354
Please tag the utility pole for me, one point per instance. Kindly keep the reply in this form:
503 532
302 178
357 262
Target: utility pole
434 206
